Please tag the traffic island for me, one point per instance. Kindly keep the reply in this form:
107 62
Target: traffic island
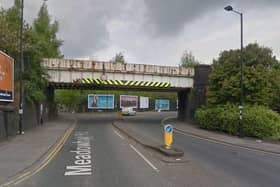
173 151
148 143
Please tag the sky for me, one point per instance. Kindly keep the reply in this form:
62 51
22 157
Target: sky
158 31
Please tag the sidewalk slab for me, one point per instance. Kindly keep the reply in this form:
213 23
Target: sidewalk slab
245 142
22 151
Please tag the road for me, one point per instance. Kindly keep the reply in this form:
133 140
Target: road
106 157
236 166
113 161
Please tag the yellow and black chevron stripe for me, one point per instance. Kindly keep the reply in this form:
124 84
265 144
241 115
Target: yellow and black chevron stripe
125 83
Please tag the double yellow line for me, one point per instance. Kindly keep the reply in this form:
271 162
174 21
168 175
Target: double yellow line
25 175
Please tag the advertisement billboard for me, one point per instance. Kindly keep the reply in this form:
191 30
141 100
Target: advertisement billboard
6 78
144 102
162 104
96 101
128 101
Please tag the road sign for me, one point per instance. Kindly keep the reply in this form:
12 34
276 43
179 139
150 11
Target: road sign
168 136
168 128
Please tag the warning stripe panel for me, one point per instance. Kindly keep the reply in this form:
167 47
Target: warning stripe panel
143 83
132 83
147 83
153 84
125 83
96 81
162 84
120 82
138 83
167 85
110 82
157 84
114 82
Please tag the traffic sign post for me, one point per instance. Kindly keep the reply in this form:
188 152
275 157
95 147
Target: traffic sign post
168 136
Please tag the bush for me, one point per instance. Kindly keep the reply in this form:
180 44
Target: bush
258 121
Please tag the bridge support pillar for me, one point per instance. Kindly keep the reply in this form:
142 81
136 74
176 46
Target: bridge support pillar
183 105
190 100
50 105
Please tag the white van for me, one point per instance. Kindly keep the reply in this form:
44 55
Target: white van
128 111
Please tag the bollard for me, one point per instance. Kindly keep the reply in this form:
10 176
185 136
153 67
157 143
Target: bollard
168 136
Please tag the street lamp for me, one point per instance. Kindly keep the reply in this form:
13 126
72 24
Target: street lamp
21 96
240 127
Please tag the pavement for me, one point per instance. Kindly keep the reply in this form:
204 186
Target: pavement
20 153
246 143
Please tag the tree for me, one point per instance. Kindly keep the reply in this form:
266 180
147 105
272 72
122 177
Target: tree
119 58
260 81
45 45
45 34
39 42
71 99
9 39
9 31
188 60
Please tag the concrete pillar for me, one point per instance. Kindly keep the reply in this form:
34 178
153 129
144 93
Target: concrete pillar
198 96
183 105
50 105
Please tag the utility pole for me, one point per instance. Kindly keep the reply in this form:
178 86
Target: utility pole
21 96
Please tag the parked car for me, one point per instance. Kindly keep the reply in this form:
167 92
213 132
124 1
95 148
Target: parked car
128 111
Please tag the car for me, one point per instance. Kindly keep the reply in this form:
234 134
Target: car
128 111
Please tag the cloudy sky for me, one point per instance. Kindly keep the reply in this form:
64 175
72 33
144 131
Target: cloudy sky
158 31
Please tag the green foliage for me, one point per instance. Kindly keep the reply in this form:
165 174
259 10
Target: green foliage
77 99
261 77
188 60
45 34
35 83
119 58
9 31
258 121
71 99
45 45
39 41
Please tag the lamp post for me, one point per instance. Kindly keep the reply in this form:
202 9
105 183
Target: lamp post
240 127
21 96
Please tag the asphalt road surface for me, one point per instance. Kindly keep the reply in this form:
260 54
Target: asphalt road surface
96 154
113 161
235 166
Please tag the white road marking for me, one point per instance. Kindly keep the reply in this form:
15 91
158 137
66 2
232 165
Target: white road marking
144 158
82 159
119 135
